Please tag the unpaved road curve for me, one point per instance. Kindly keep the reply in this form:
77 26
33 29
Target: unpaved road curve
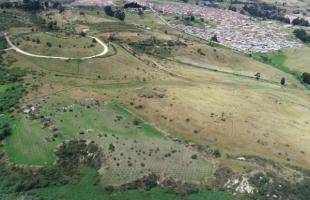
104 52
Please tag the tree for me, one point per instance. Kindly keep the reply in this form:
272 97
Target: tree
232 8
120 15
82 33
5 130
300 22
109 11
49 44
302 35
214 38
282 81
305 77
52 25
192 17
61 9
111 148
257 76
140 12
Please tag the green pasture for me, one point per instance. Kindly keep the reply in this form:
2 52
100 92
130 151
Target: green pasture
137 147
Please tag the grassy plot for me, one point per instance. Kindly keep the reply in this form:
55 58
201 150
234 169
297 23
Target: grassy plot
13 18
56 45
228 61
122 65
132 148
114 27
277 59
147 20
27 144
87 189
298 59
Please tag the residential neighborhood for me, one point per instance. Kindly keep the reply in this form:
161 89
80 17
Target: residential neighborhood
234 30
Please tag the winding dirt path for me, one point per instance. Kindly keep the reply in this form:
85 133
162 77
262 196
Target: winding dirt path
104 52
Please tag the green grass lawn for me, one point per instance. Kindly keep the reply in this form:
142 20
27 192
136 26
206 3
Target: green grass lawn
28 145
147 20
74 46
139 147
13 18
114 27
277 59
87 189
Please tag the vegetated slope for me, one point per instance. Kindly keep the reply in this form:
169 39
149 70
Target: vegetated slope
132 148
230 119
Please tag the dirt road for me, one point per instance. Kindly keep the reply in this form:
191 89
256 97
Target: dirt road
104 51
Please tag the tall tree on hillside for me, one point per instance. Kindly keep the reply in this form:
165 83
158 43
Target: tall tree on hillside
109 11
120 15
282 81
214 38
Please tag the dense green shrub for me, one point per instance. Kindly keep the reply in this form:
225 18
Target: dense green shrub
5 129
10 97
302 35
306 77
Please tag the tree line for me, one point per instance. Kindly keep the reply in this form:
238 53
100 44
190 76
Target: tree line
273 12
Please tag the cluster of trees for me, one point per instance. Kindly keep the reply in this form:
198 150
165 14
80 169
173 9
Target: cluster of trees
265 10
187 19
268 11
134 5
302 35
119 14
52 26
262 182
300 22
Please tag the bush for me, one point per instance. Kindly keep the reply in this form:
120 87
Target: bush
109 11
305 77
9 97
282 81
302 35
216 153
82 33
5 129
49 44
